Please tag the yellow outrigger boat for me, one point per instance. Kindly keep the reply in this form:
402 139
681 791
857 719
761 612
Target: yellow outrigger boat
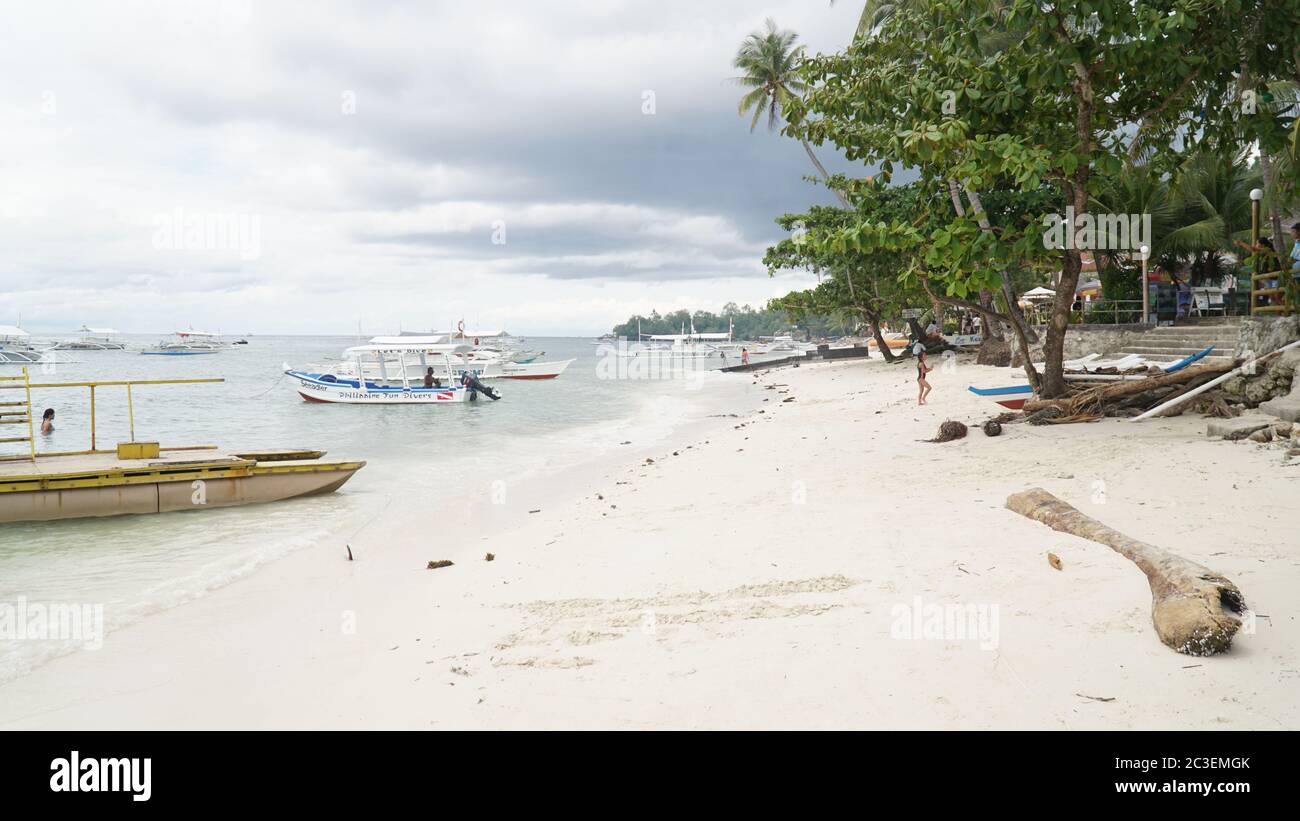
143 477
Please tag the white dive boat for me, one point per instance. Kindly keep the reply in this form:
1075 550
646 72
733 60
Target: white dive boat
781 345
485 363
188 343
393 373
92 339
18 348
486 345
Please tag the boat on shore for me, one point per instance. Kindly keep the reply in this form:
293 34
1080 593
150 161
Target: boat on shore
1012 397
1091 368
144 477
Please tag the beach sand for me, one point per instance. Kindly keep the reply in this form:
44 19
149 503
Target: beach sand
756 574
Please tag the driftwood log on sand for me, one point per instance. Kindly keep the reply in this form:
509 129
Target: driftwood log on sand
1195 610
1096 398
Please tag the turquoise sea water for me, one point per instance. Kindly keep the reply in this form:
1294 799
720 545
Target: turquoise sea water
421 461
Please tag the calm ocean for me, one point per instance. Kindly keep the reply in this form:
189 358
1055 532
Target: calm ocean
421 461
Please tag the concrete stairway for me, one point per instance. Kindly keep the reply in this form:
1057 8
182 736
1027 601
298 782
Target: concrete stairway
1169 343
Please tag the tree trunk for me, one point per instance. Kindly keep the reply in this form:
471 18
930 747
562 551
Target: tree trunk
1195 610
1013 310
1274 215
821 169
1054 346
991 317
986 296
884 349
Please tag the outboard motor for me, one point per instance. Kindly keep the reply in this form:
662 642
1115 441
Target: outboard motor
470 381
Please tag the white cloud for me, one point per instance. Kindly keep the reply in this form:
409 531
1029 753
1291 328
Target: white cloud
115 115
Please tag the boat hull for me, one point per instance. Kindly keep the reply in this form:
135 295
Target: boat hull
324 388
523 370
117 490
1011 398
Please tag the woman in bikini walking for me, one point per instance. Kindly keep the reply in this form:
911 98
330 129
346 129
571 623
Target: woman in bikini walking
922 368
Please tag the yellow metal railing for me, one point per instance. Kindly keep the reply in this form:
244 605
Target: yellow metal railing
92 385
1283 307
26 412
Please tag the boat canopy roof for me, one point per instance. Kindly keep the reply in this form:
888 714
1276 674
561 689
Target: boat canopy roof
402 345
195 333
85 329
11 330
688 337
415 340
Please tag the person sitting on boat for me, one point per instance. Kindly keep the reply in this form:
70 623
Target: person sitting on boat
47 422
431 381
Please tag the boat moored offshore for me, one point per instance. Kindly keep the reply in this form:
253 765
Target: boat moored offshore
394 371
144 477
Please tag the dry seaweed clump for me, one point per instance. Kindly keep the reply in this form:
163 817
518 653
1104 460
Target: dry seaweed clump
949 431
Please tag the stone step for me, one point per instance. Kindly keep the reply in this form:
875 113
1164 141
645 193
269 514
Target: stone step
1192 340
1239 427
1209 320
1198 344
1179 333
1172 354
1286 408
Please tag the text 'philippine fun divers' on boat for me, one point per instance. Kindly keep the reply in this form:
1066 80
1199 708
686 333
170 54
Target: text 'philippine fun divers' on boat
143 477
396 371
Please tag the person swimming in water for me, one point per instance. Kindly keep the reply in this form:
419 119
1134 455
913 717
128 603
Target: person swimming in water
47 422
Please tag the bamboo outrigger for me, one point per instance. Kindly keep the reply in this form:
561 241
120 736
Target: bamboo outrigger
143 477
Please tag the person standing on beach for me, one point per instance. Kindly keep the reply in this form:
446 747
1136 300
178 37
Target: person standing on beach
922 368
744 356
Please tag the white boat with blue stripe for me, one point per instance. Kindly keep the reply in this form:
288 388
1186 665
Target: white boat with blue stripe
394 374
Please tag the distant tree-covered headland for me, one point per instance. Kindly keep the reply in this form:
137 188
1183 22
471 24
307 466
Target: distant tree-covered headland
746 323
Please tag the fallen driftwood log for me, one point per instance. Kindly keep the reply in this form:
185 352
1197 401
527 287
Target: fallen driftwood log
1195 610
1238 366
1137 393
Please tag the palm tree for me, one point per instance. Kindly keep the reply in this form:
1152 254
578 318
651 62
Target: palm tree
768 61
1213 193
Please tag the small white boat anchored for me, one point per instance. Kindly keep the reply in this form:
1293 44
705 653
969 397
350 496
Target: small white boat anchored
18 348
394 373
188 343
92 339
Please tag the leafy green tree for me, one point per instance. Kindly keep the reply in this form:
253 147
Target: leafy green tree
1058 105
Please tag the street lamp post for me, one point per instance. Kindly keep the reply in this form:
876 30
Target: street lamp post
1256 197
1146 300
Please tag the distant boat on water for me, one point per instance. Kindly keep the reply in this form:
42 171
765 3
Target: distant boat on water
92 339
188 343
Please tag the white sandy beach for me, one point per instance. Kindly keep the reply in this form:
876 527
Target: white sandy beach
750 580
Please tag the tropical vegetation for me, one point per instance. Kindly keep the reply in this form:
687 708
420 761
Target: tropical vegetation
1002 114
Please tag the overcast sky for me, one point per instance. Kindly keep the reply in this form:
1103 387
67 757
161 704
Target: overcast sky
301 167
